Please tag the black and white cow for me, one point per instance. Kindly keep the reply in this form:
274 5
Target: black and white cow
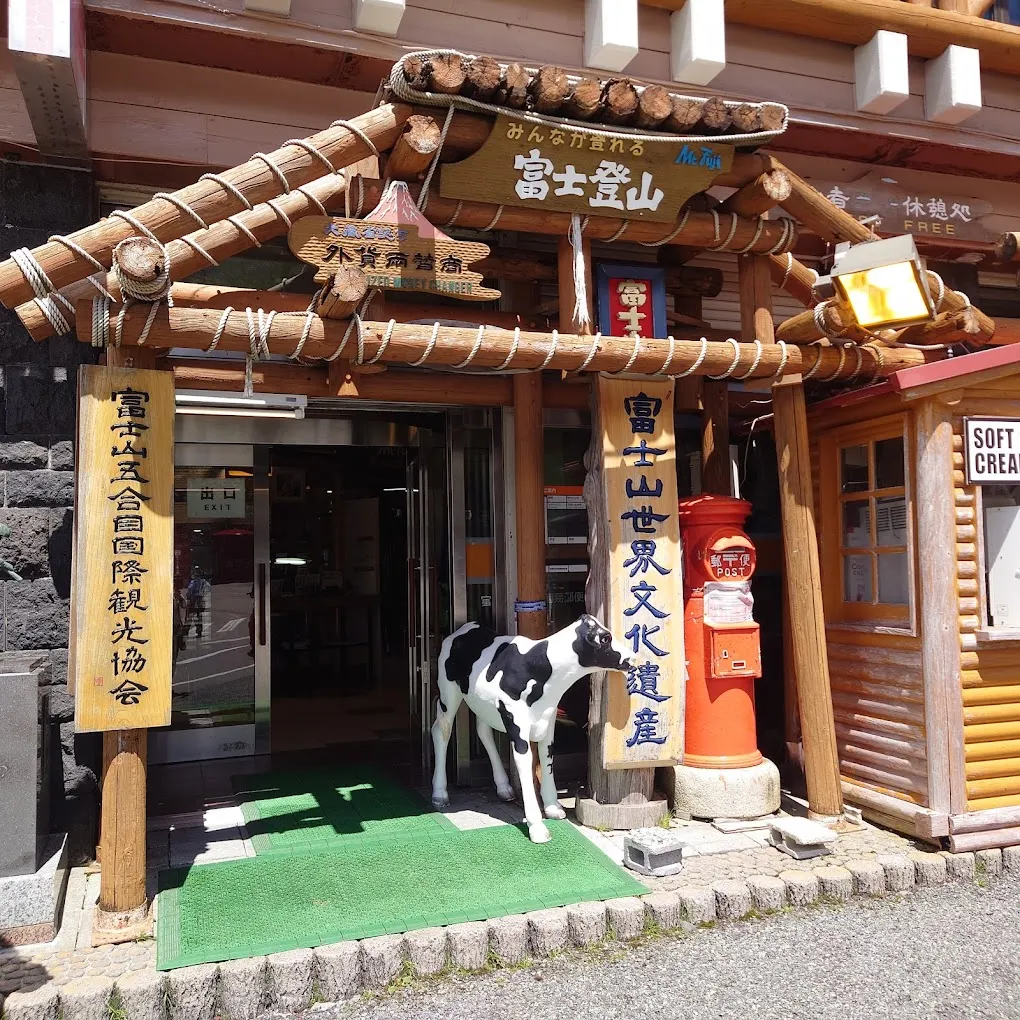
514 685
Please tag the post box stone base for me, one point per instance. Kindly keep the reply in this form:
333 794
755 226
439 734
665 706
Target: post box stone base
751 792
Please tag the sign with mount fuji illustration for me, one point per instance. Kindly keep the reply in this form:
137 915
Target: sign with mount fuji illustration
395 246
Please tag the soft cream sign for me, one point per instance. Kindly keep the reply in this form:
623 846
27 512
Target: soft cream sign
993 451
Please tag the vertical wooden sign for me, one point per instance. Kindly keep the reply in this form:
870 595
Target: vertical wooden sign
644 723
122 598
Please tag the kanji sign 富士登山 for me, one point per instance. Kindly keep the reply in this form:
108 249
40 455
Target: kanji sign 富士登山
569 168
644 721
122 585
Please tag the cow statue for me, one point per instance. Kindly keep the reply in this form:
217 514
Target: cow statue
514 685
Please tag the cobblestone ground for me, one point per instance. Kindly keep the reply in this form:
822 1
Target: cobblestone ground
70 957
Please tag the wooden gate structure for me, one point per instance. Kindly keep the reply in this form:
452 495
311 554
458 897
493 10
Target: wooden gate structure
122 284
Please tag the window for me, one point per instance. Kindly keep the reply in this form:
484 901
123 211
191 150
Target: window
1000 516
866 526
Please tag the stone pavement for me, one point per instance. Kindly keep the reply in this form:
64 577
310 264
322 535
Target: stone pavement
729 875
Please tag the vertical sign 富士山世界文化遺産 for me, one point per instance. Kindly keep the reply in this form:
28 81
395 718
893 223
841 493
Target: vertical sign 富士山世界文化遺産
644 722
122 615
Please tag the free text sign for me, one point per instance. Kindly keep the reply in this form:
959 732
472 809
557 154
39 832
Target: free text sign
993 451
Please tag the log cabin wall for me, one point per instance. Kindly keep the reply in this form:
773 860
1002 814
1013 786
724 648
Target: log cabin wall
875 670
990 670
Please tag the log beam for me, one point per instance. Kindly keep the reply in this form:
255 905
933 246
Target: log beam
407 342
342 295
699 231
414 149
221 240
210 200
794 277
1007 248
765 192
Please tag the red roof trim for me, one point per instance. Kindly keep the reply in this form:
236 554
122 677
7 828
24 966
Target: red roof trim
956 368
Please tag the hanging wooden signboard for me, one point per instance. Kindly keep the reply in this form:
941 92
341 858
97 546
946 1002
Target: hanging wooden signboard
645 716
122 618
395 246
566 168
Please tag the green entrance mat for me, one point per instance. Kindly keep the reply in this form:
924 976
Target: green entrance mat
311 809
235 909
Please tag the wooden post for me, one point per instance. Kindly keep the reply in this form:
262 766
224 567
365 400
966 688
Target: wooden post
715 437
530 502
123 911
807 621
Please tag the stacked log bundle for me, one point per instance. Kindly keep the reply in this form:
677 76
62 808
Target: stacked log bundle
615 101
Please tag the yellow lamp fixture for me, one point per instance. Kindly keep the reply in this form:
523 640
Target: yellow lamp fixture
884 283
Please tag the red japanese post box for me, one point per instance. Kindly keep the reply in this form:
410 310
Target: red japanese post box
720 636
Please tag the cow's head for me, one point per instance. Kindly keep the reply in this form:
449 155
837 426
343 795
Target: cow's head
595 647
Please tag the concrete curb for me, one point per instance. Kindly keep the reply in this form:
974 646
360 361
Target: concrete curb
240 989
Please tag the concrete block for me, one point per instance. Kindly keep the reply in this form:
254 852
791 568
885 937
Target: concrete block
193 992
732 899
869 877
929 869
835 883
697 42
1011 860
767 892
801 838
881 80
41 1004
696 903
142 995
382 958
547 930
338 970
469 945
508 938
899 871
610 33
244 988
87 998
960 866
626 917
663 910
801 887
426 950
989 862
586 923
291 978
657 852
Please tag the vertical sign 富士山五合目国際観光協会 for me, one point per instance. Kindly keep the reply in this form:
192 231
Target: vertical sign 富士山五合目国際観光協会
122 606
644 720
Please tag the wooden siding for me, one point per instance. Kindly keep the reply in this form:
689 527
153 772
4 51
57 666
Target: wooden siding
990 672
877 691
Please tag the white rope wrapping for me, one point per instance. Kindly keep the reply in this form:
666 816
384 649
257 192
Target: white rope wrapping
229 188
44 292
758 348
429 347
839 367
860 364
632 359
697 364
491 225
513 349
50 306
423 195
818 361
664 240
79 251
385 342
259 325
456 212
736 361
552 349
399 87
220 327
782 360
734 221
313 151
100 322
669 360
199 250
281 178
306 331
757 234
137 224
312 198
234 221
789 269
785 242
475 348
279 212
355 130
618 233
942 291
591 353
179 203
960 294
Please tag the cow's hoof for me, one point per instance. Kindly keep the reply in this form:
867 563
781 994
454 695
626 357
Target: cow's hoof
441 800
505 792
538 833
555 810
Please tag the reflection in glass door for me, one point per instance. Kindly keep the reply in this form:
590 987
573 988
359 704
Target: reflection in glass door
215 627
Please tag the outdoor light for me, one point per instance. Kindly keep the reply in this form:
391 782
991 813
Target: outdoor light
885 283
289 561
259 405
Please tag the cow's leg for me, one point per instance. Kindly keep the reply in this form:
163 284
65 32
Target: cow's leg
446 711
503 788
519 732
550 799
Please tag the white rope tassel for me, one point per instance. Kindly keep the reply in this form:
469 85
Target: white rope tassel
581 319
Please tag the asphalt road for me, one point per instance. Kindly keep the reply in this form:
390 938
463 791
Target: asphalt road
950 953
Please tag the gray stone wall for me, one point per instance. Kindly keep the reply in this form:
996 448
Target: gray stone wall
37 409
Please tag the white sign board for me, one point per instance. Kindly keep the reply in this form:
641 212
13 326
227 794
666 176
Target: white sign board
992 451
216 499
